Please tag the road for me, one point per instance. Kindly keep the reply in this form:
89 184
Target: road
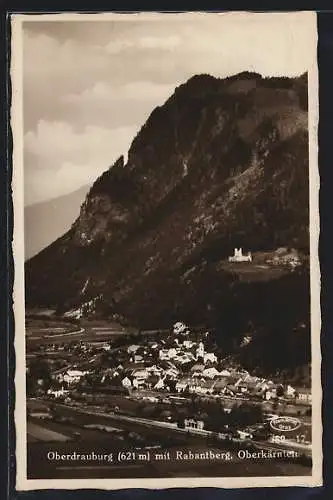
229 401
173 428
85 333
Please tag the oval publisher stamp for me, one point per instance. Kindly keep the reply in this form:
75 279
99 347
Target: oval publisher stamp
285 424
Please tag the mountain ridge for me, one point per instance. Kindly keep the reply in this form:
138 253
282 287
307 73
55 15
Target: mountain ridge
222 163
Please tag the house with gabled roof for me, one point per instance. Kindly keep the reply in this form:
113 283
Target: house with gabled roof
209 357
290 391
211 372
126 382
201 386
220 384
182 384
132 348
197 368
303 395
171 373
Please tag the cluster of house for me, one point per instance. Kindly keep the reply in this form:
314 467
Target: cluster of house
235 383
281 257
286 257
180 366
201 380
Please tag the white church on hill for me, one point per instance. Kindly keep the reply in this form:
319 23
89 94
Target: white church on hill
239 257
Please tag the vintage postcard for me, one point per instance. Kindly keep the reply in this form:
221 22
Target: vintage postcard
166 222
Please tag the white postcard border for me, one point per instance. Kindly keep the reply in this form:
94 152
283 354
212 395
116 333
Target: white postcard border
24 484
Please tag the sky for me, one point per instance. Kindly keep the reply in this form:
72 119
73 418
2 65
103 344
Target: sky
89 85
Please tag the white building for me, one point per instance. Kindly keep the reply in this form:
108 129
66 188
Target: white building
244 435
183 358
154 370
57 393
270 393
180 328
225 373
188 344
159 384
290 391
200 350
72 376
209 356
141 374
191 423
139 378
166 354
132 348
126 382
210 372
239 257
172 372
182 384
303 395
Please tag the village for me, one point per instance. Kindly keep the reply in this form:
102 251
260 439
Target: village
155 370
177 378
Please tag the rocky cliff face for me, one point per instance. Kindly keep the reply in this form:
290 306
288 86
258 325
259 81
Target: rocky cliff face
223 163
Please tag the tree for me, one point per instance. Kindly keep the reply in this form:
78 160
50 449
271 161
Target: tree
181 421
216 419
246 414
30 386
56 384
38 375
187 391
280 391
171 384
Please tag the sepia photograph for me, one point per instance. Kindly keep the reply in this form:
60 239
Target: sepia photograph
166 221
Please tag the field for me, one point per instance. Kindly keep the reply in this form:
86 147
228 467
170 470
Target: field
250 272
42 433
46 331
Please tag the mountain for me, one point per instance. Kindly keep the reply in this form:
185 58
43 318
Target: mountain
222 164
46 221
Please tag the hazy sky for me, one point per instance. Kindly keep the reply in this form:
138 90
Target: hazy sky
90 85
